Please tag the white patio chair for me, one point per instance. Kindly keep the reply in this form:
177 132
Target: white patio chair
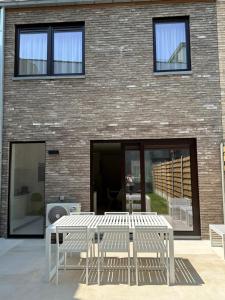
144 213
148 239
82 213
116 213
176 205
82 243
115 238
187 211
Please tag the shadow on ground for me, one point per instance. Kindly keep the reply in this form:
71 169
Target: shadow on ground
115 272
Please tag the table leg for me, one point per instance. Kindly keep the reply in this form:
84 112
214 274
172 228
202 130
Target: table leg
48 253
210 237
171 257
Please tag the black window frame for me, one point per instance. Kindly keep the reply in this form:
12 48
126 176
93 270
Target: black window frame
178 19
49 29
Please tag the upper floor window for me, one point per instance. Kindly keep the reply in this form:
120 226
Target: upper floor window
171 44
50 50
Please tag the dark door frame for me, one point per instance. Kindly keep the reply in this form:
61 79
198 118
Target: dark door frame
19 236
191 143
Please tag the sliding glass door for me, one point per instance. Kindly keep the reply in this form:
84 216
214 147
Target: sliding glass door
168 187
27 181
161 176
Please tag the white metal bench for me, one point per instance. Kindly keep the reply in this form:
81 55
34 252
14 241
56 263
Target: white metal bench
216 230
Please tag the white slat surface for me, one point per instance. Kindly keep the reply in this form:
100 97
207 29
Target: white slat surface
92 221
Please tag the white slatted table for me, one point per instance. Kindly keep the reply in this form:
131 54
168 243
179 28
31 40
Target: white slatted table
92 221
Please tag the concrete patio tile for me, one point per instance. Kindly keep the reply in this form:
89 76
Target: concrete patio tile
200 274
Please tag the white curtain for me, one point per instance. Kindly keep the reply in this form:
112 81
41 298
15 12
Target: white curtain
170 46
67 52
33 54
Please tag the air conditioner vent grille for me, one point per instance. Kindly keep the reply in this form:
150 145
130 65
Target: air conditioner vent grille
56 213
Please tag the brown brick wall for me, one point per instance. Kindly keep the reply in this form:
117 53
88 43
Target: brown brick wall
120 98
221 47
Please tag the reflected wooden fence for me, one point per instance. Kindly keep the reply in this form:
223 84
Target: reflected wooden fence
224 157
172 179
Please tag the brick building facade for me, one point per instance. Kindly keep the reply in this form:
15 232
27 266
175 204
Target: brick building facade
120 97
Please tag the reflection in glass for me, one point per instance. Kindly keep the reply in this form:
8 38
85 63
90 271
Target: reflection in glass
171 52
168 185
33 53
27 189
67 52
133 180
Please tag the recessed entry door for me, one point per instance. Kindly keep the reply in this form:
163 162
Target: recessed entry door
26 195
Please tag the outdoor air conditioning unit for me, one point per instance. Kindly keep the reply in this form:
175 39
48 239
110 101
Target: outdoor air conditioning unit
55 211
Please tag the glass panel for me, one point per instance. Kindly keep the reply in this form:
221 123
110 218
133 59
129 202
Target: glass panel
27 189
133 180
33 53
67 52
171 53
168 186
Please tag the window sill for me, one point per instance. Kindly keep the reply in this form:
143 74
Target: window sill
173 73
48 77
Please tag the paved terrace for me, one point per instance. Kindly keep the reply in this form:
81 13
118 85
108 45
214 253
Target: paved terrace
200 274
